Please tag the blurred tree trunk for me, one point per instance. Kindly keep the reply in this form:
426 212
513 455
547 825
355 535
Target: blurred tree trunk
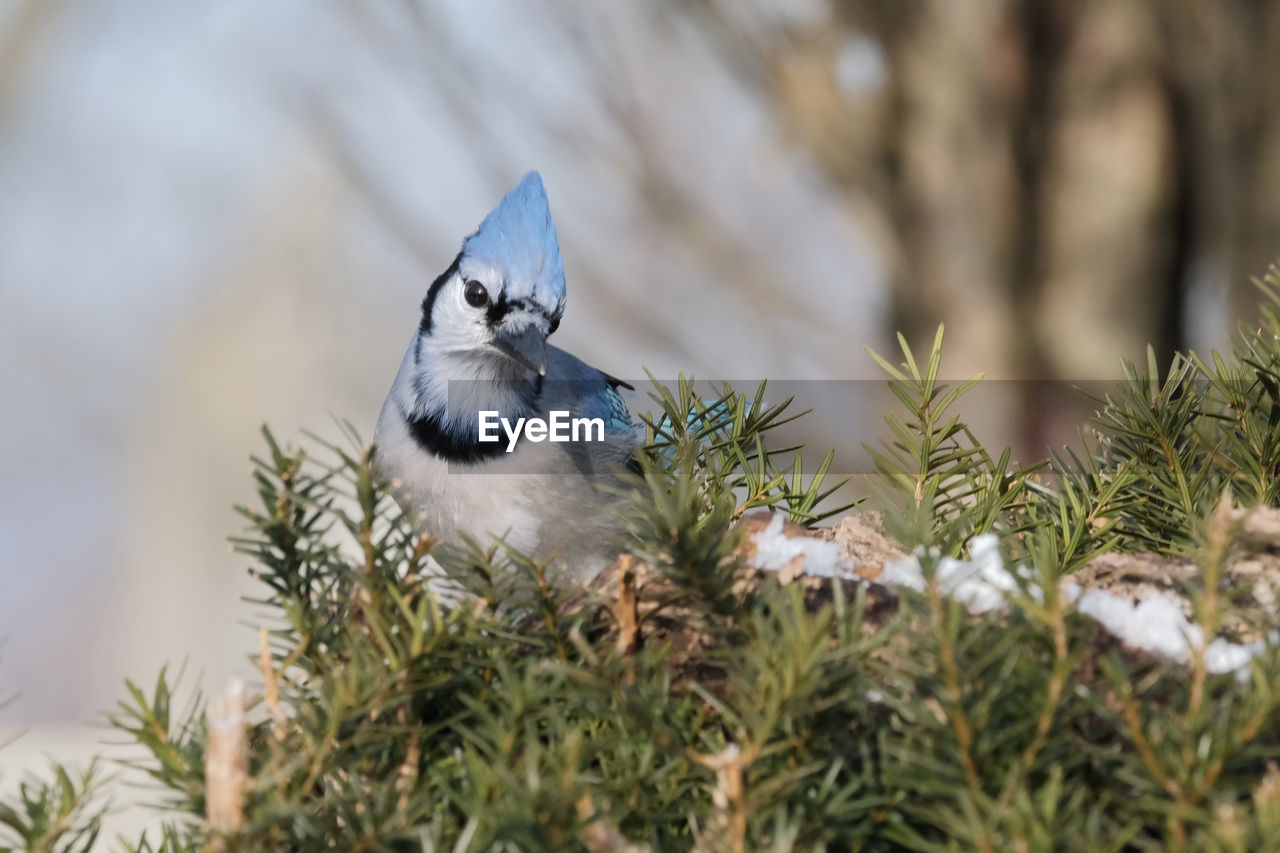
1051 178
1108 239
1224 63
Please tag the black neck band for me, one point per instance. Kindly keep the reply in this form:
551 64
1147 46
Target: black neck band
431 435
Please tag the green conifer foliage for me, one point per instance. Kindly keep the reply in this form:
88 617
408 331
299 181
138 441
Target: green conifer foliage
499 711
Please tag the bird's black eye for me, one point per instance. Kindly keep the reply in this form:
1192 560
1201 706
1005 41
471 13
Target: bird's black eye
555 324
475 294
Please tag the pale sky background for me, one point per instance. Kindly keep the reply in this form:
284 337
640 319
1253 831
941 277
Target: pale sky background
214 215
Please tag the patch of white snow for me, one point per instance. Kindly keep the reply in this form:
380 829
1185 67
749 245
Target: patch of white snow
980 583
775 549
1158 625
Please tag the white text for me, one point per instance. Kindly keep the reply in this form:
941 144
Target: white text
558 427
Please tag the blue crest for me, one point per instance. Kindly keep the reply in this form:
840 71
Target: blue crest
517 240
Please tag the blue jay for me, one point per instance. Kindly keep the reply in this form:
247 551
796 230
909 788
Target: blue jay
481 347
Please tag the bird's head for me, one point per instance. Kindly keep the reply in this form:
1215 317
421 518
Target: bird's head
505 292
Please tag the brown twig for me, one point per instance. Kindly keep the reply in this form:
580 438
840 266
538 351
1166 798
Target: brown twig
407 775
955 696
626 611
729 799
421 547
226 769
601 835
1146 753
270 686
1219 543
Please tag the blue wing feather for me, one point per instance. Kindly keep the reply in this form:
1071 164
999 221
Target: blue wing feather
587 391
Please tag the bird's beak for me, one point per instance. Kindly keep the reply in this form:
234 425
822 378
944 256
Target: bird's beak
528 347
